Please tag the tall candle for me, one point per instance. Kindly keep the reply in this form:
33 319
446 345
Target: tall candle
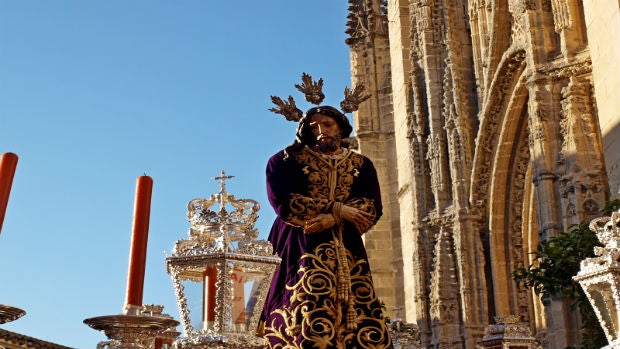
8 163
209 295
139 238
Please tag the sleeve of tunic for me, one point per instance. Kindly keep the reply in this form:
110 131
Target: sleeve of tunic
366 194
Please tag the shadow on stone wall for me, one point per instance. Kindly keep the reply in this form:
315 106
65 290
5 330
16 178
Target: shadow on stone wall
611 148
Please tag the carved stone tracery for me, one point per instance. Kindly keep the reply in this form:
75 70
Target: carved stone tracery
500 130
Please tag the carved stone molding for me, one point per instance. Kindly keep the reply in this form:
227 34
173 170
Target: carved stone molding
508 332
561 15
559 69
516 205
489 125
365 19
476 73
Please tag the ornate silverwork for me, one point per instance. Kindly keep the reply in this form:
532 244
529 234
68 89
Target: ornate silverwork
222 253
599 276
132 331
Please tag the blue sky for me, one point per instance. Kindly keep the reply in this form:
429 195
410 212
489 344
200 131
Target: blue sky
94 94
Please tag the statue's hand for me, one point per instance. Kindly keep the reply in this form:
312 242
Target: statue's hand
361 219
319 223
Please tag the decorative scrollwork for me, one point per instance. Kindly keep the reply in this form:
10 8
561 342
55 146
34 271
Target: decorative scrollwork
217 230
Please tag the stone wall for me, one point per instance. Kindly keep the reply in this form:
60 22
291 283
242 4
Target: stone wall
602 20
493 127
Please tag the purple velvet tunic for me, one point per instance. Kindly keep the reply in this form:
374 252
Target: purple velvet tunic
321 295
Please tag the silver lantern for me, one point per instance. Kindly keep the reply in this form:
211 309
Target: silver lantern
221 273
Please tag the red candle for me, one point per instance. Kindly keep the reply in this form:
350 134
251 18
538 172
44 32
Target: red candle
139 238
8 163
210 279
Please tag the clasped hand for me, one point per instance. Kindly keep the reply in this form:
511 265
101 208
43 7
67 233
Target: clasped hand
362 220
319 223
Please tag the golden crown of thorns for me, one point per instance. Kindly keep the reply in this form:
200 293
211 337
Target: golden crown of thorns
314 94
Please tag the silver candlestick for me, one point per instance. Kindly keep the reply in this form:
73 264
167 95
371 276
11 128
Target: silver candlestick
131 331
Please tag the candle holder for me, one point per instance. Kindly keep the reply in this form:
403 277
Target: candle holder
133 331
221 274
9 313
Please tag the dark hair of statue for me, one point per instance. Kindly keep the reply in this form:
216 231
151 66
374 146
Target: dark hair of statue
304 134
304 131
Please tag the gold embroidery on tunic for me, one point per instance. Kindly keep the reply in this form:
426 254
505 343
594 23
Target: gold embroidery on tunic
326 297
329 180
316 316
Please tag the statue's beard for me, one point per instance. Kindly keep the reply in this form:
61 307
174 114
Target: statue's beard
328 144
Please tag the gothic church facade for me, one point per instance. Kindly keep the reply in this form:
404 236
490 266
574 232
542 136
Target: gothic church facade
494 125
